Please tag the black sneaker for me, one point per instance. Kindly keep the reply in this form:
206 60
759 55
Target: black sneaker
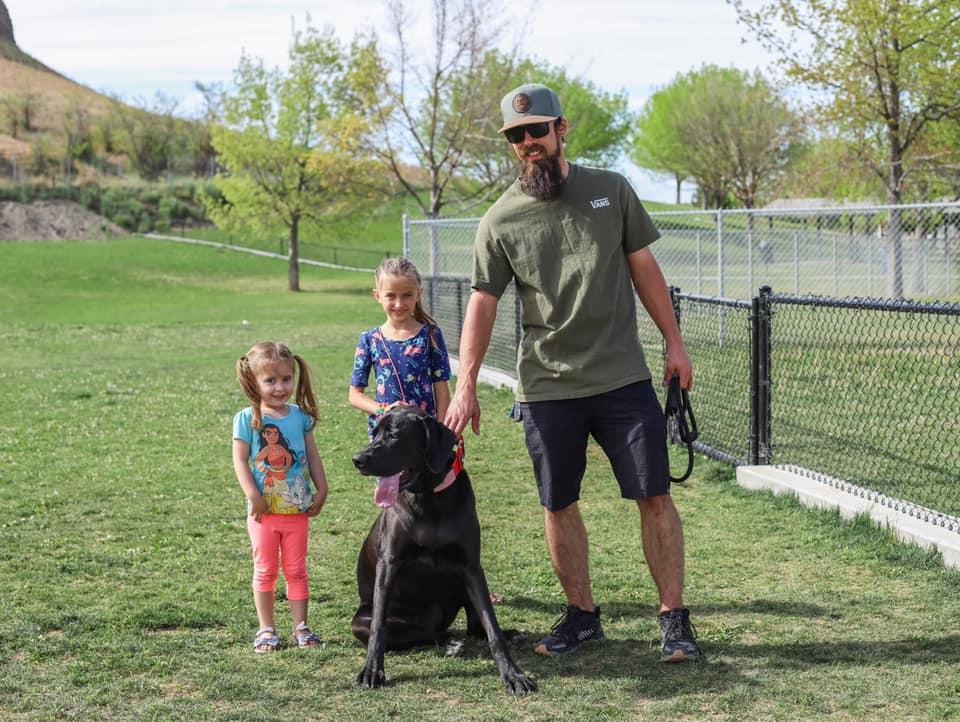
571 630
679 639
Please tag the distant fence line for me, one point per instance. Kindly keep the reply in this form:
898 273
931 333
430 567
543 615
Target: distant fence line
907 251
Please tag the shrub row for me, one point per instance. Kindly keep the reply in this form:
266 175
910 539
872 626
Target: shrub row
141 208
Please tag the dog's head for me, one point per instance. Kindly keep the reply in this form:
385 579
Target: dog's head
409 442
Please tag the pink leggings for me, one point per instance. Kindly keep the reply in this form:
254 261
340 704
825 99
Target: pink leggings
283 538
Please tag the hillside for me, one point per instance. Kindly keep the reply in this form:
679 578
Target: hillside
27 86
8 44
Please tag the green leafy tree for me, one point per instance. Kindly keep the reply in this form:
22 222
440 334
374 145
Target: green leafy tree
657 145
884 72
826 166
289 144
744 128
728 129
149 134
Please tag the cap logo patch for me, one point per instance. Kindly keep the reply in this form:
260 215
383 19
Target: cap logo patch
521 102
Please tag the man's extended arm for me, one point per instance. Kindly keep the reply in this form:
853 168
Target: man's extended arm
652 289
474 341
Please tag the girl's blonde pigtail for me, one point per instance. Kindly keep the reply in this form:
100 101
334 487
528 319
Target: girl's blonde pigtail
305 397
248 383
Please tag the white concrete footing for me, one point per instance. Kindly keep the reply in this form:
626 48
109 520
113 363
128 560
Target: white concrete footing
907 527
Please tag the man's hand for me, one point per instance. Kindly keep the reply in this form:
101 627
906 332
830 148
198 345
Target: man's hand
463 407
678 362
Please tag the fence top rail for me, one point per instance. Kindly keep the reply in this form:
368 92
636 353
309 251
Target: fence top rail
951 207
945 206
714 300
876 304
444 222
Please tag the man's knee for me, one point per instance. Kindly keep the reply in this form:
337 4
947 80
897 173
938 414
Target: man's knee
656 505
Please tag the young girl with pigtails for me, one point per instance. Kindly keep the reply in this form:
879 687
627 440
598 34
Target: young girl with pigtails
278 466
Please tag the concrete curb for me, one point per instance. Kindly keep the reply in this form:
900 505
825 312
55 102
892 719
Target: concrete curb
494 377
811 492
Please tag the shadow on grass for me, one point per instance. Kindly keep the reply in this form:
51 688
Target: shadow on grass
615 610
636 663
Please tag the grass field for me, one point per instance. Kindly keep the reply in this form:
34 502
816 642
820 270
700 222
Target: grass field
125 580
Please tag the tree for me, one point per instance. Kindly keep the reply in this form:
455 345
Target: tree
826 166
750 125
435 114
726 128
657 145
19 109
149 134
884 71
289 144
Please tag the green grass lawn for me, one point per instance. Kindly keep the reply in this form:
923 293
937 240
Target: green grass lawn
125 574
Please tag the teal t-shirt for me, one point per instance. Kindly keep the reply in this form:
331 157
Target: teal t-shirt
278 458
568 258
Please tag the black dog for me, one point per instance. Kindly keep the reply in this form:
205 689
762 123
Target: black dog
420 563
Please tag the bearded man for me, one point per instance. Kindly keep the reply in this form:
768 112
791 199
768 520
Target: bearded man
575 241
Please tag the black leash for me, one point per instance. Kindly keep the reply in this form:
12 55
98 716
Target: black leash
677 410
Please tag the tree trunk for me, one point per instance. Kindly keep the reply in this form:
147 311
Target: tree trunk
293 278
679 181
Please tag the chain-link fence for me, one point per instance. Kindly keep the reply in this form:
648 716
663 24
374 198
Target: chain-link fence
909 251
864 391
867 391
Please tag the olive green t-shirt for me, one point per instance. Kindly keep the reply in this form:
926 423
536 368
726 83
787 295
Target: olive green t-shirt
568 257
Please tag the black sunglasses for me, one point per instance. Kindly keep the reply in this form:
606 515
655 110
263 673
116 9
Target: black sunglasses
536 130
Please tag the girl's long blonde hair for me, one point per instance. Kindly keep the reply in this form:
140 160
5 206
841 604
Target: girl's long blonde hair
404 267
272 352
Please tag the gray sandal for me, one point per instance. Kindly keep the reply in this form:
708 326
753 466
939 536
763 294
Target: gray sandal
304 637
265 640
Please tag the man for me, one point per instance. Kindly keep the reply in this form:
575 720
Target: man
575 241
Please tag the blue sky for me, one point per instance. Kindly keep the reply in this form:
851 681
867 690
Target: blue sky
135 48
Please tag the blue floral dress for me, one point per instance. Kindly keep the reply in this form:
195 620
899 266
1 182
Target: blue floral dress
403 370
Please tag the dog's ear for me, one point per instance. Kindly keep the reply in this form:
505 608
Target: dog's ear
439 447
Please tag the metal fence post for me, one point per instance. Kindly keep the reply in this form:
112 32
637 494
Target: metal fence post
406 236
721 318
764 397
459 309
699 263
720 253
760 408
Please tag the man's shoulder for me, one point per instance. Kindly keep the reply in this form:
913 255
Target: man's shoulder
504 204
593 176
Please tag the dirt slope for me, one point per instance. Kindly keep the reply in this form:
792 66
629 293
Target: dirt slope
53 220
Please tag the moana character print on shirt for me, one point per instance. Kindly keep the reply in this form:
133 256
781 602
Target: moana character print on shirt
274 461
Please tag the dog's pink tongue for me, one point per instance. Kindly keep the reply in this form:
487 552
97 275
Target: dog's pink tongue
388 488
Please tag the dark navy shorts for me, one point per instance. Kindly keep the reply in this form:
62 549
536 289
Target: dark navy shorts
630 427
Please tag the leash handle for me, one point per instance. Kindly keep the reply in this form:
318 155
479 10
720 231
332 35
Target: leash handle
681 422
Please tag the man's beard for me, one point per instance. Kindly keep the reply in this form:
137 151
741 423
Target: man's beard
542 178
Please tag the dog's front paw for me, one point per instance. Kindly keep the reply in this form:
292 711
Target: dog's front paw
519 683
371 676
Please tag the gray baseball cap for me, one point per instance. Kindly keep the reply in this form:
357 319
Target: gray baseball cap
530 103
